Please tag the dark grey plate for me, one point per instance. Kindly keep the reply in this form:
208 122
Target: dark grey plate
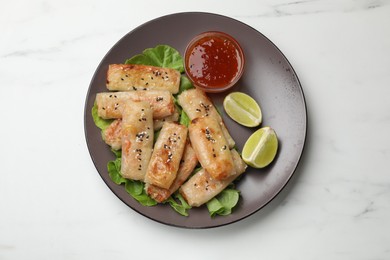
268 77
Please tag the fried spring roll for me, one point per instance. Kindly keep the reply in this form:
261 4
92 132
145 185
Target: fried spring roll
129 77
112 135
211 147
137 140
196 104
110 104
167 153
158 123
187 165
201 187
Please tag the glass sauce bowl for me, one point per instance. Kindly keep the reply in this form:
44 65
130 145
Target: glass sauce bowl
214 61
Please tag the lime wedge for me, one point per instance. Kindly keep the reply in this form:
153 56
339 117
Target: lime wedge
243 109
260 148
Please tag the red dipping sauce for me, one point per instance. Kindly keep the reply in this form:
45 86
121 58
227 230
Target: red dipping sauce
214 61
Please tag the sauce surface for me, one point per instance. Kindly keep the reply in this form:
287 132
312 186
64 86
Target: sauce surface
213 61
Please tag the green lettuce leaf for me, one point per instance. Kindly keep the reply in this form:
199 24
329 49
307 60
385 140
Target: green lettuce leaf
184 119
160 56
118 153
137 191
180 206
134 188
113 168
155 136
185 84
99 122
223 203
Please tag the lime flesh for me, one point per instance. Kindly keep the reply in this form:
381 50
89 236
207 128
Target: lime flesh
260 148
243 109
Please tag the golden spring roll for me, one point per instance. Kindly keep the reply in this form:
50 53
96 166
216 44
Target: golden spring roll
211 147
158 123
167 153
201 187
196 103
187 165
129 77
137 140
112 135
110 104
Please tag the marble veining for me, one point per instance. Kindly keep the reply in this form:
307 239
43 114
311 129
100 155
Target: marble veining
306 7
55 206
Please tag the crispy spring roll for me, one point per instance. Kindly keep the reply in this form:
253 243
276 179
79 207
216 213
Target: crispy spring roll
211 147
167 153
187 165
201 187
196 104
110 104
129 77
137 140
158 123
112 135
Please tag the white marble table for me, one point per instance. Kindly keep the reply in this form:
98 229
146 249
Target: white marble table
54 205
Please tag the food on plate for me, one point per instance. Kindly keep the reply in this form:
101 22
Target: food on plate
196 104
167 153
158 123
112 135
137 139
162 168
214 61
202 187
169 139
261 147
110 103
187 166
129 77
243 109
211 147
